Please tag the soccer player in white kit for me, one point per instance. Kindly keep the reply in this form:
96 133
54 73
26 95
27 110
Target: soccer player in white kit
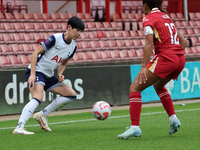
53 52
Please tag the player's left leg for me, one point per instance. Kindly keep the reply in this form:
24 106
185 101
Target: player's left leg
67 94
167 104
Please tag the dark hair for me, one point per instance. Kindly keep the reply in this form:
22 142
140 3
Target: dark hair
154 3
76 22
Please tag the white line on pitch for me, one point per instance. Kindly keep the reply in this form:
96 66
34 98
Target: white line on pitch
96 119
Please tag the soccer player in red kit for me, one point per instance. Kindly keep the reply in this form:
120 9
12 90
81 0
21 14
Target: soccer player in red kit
161 35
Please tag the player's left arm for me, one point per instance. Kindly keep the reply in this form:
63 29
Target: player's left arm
182 40
61 69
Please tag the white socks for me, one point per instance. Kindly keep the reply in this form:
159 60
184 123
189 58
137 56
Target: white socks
172 117
134 127
57 103
27 111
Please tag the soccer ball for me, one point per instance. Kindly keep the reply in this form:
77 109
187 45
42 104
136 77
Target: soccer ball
101 110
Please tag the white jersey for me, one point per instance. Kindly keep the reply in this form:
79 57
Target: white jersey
56 51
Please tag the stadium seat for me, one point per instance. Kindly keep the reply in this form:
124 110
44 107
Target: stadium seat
24 59
35 46
28 17
99 26
95 45
141 33
19 27
38 38
10 17
179 24
193 24
71 15
180 16
84 36
39 27
132 55
14 60
107 26
138 17
91 26
55 17
56 27
89 17
18 38
116 26
64 26
124 17
79 47
188 52
37 17
116 17
19 17
104 45
46 17
174 17
192 16
48 27
101 35
197 31
186 24
140 25
127 26
4 62
121 45
1 39
27 48
2 28
86 57
29 27
81 16
17 49
64 17
190 32
131 17
115 55
9 27
195 51
78 58
124 55
105 55
2 18
184 33
86 46
96 56
6 50
93 36
28 38
112 44
129 44
194 41
126 34
8 38
134 26
118 35
109 35
134 34
140 53
137 43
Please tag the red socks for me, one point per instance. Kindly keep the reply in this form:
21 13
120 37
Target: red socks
135 108
166 101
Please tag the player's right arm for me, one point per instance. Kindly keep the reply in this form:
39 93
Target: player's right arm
34 58
181 40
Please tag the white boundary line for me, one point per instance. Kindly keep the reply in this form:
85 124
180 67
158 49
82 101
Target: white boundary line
96 119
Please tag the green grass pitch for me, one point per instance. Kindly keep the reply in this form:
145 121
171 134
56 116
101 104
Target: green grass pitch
83 132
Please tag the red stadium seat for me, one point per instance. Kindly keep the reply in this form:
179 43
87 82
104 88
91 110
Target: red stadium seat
10 17
115 55
78 58
99 26
116 17
188 52
81 16
29 27
64 26
124 55
193 24
84 36
129 44
93 36
137 43
121 45
4 62
18 38
118 35
109 35
45 35
8 38
38 38
9 27
89 17
56 27
126 34
71 15
48 27
35 46
55 17
195 51
28 38
27 48
24 59
95 45
46 17
124 17
105 55
14 60
2 18
19 27
79 47
86 57
132 54
28 17
86 46
107 26
91 26
37 17
17 49
131 17
180 16
116 26
19 17
101 35
96 56
104 45
6 50
134 34
112 44
64 17
140 53
2 28
39 27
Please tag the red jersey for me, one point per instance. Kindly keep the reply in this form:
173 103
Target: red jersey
166 39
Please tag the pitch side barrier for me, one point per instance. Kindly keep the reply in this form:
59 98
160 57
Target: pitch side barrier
96 83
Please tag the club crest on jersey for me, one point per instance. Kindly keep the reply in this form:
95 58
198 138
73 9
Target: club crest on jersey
47 41
57 59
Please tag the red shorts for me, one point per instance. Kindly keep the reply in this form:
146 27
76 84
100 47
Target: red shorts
167 66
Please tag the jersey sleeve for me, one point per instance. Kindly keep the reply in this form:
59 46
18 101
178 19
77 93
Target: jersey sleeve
148 21
70 57
49 42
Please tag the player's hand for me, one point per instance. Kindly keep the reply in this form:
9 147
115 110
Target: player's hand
141 77
31 81
61 78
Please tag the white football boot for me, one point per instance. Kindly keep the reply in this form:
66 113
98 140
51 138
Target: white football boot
174 125
130 132
21 130
41 118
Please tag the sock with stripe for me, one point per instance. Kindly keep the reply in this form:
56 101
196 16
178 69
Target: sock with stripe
57 103
135 108
166 101
27 111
